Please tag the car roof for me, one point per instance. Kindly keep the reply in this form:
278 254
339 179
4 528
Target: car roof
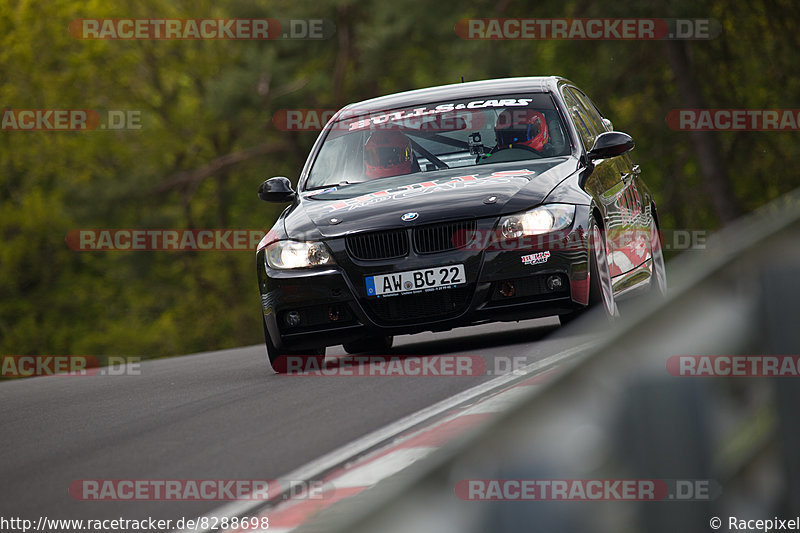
453 92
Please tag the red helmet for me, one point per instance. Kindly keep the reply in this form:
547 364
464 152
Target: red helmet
522 126
387 153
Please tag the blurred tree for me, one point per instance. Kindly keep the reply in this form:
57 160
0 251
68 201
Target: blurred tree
207 140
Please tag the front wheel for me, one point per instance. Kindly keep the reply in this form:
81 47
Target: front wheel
601 292
284 360
658 276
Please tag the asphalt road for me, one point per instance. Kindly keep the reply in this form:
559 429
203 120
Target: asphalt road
215 415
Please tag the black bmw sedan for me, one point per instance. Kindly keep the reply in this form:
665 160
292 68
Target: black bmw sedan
495 200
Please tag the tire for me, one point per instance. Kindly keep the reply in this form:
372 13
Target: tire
372 345
279 360
658 277
601 293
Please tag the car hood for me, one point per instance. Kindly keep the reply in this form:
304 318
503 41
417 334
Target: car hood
452 194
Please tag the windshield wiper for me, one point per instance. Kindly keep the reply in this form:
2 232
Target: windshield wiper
343 183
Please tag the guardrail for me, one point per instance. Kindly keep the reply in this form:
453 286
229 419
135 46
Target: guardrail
713 447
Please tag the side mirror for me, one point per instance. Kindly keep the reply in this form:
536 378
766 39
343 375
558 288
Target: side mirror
610 144
277 189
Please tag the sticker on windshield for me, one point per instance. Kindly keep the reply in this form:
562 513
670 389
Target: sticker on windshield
418 112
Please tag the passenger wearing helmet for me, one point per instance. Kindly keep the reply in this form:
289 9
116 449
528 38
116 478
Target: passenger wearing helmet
388 153
524 127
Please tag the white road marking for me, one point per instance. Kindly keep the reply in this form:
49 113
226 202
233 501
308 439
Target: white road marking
381 468
499 403
341 455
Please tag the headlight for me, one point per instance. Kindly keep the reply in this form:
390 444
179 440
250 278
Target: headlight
543 219
294 254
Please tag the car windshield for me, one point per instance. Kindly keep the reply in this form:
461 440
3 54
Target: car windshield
362 147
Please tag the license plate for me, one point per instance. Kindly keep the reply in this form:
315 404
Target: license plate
413 280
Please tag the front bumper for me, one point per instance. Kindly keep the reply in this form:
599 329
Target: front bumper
334 308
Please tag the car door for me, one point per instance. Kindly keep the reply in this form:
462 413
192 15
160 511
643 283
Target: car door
605 183
632 244
635 241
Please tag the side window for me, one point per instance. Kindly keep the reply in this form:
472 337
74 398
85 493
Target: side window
591 109
578 115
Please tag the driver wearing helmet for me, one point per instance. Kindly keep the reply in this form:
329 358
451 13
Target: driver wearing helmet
524 127
388 153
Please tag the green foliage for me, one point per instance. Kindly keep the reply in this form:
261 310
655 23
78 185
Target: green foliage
203 100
